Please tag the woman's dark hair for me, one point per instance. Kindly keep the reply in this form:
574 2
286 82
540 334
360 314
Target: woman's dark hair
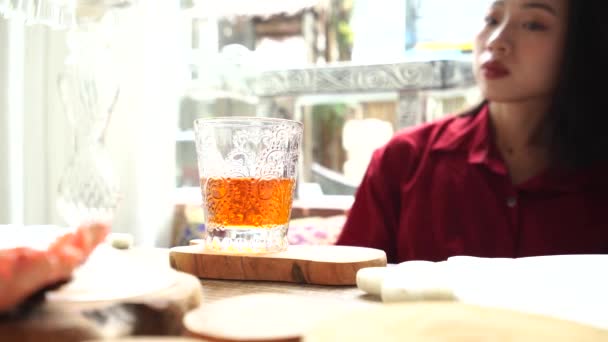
578 118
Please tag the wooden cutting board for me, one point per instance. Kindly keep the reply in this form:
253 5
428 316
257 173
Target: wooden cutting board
449 322
321 265
115 294
263 317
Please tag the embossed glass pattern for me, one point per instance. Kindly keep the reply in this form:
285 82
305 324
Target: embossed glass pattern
248 169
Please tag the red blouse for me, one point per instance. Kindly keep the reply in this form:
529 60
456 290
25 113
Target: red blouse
442 189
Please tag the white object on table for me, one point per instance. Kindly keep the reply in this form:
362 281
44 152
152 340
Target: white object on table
573 287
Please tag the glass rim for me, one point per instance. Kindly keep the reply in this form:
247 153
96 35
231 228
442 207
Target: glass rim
244 119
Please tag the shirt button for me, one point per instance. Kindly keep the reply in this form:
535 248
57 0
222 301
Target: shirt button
512 201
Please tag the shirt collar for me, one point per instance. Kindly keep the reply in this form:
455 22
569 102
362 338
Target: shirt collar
472 134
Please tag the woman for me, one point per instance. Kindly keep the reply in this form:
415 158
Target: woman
522 174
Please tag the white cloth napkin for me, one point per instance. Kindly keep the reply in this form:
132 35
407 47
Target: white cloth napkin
573 287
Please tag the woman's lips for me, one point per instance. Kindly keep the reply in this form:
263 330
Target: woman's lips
494 70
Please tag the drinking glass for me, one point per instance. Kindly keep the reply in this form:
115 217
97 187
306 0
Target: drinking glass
248 169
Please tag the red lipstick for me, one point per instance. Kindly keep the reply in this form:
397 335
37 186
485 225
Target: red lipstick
494 70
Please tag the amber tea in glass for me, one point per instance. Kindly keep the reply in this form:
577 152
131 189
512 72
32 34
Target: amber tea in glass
248 175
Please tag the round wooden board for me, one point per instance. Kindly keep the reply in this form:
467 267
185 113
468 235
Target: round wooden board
449 322
143 297
263 317
320 265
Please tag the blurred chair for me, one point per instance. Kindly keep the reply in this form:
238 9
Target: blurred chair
332 182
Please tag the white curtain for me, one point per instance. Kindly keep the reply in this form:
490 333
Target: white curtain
35 138
31 126
143 130
11 191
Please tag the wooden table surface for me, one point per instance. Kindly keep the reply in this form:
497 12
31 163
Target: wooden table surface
268 311
282 309
323 313
214 290
320 301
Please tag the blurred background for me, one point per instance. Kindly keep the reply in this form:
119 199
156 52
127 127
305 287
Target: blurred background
353 71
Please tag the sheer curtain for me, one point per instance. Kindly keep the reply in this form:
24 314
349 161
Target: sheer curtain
11 191
29 129
35 137
143 130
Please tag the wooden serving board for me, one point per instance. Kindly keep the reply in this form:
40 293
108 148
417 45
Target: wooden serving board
114 294
321 265
448 322
263 317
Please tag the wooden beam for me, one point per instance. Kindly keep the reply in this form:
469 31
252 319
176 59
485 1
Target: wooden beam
286 27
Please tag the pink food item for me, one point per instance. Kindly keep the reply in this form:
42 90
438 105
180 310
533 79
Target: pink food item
24 270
